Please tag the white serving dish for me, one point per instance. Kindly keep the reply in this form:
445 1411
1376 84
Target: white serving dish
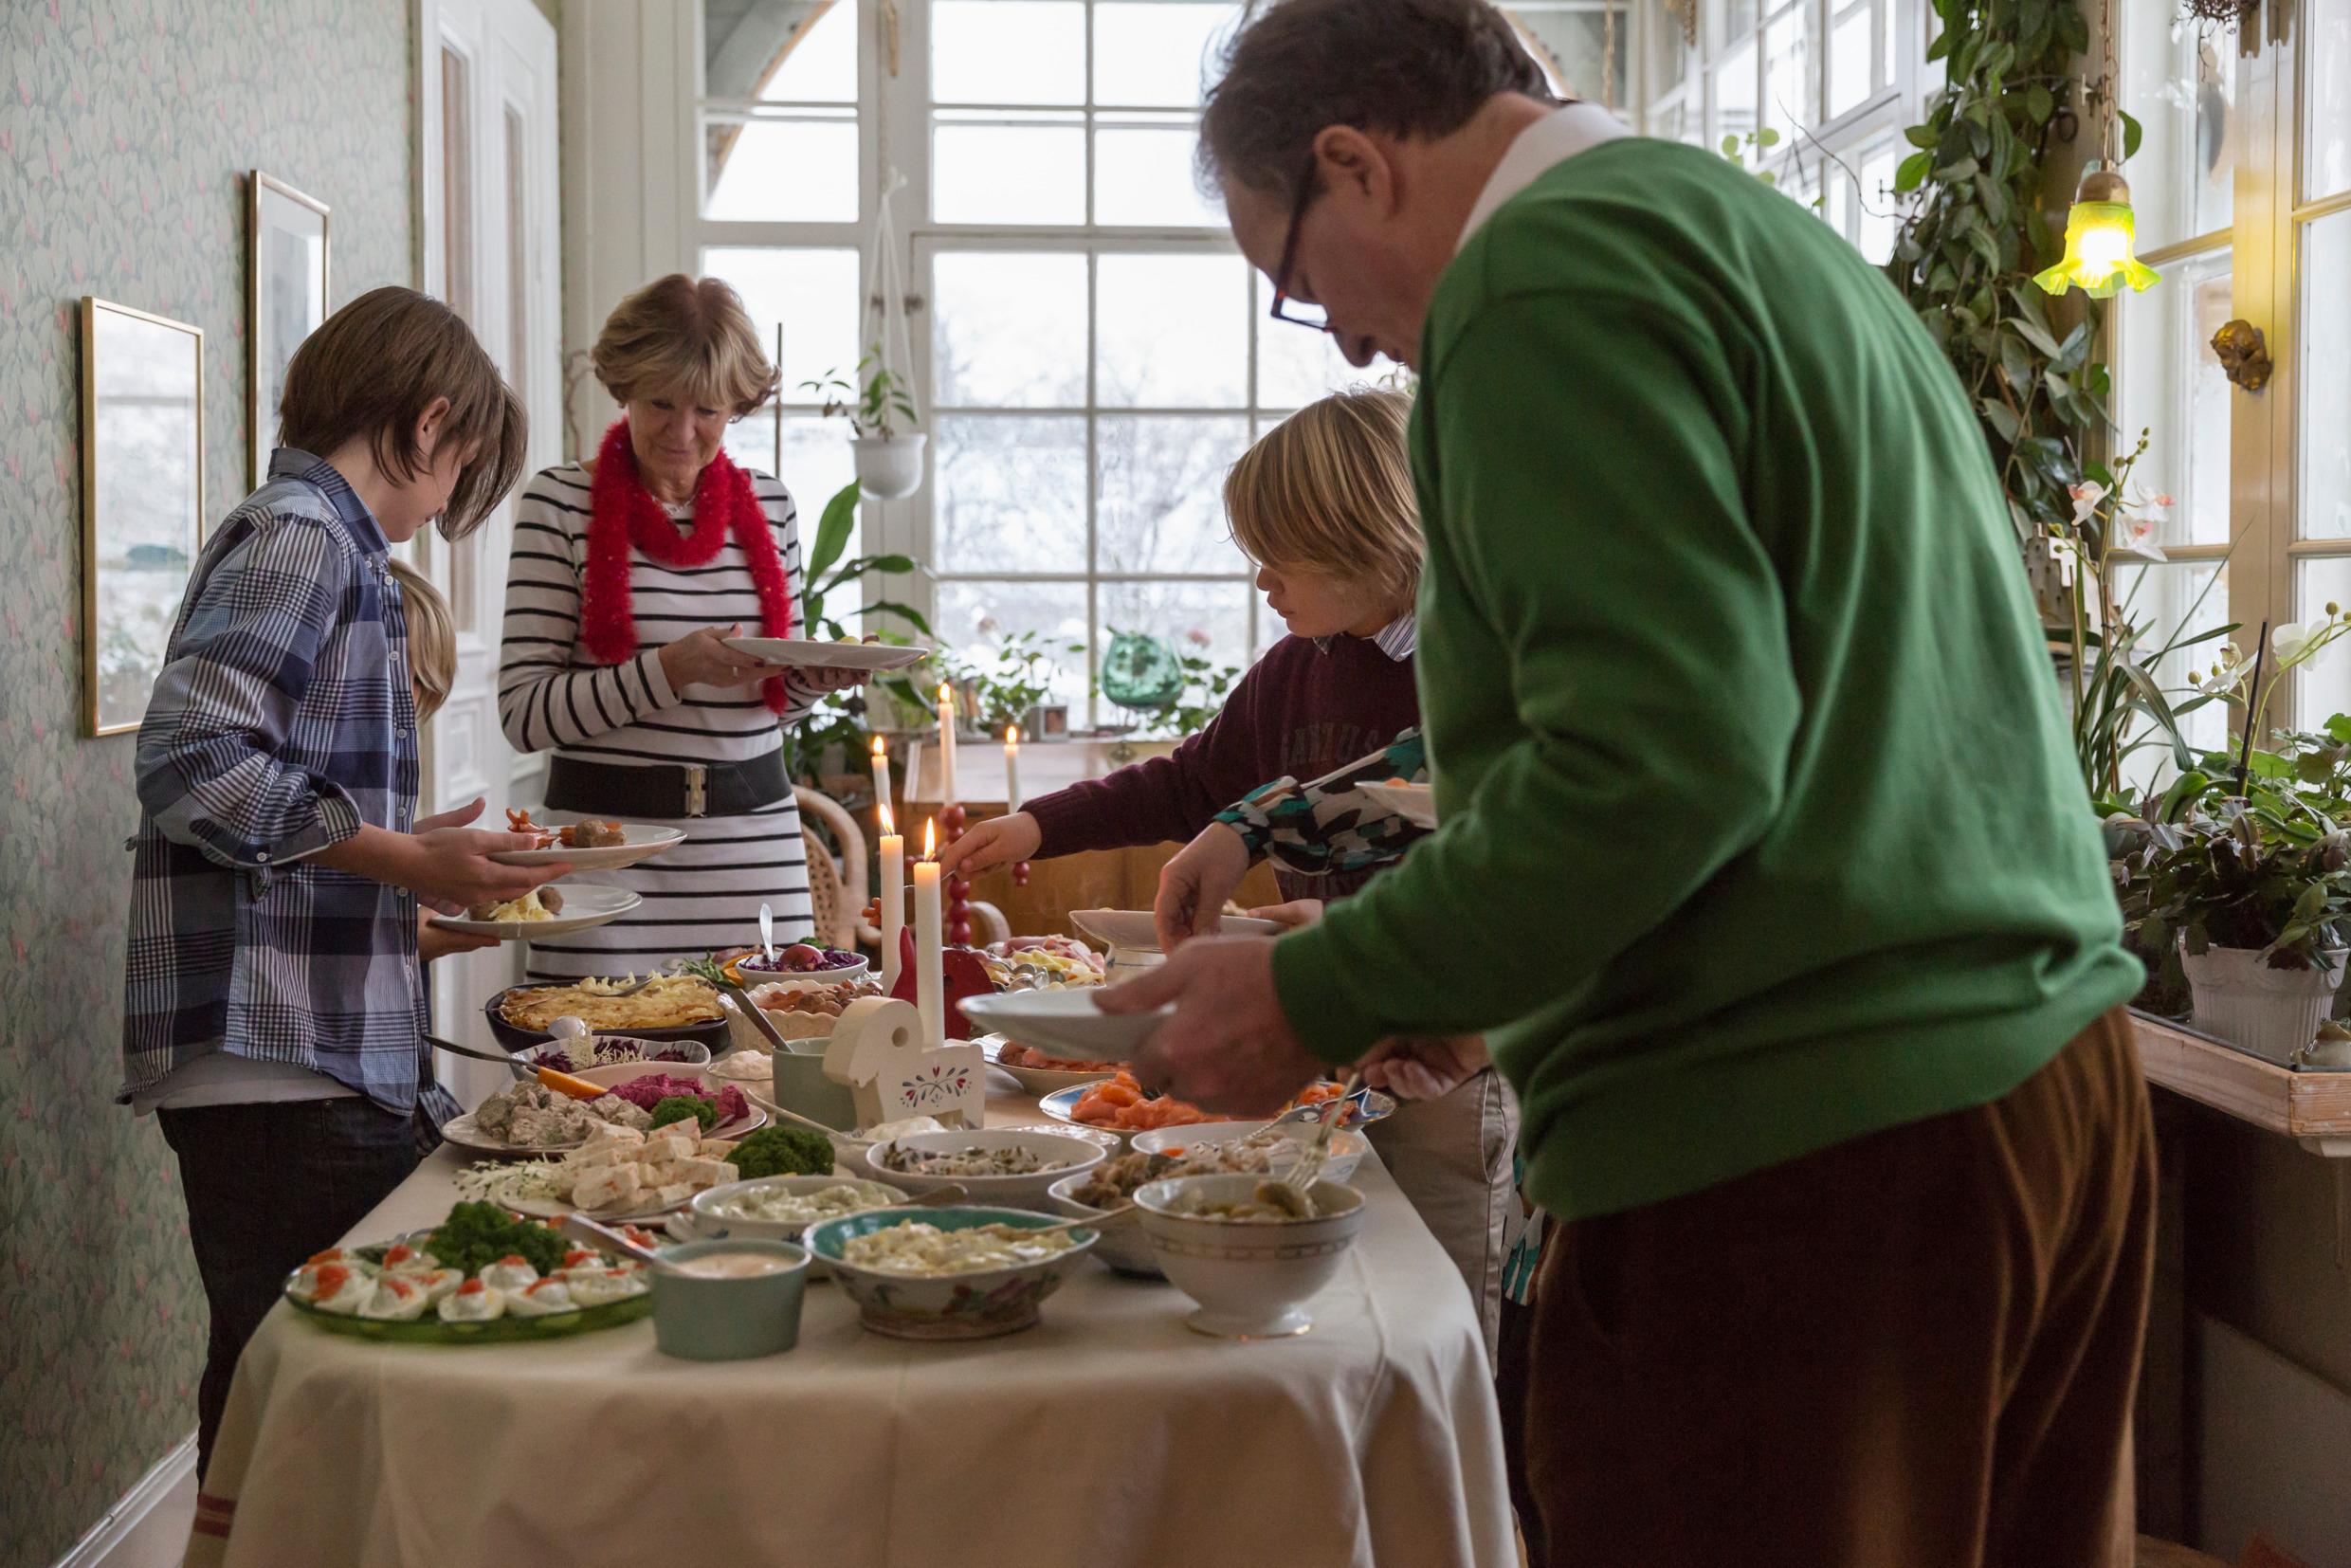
812 979
711 1220
638 844
626 1072
1036 1080
1124 1247
1253 1280
1065 1023
459 1132
808 653
1347 1150
976 1304
585 905
1077 1156
1135 929
1415 803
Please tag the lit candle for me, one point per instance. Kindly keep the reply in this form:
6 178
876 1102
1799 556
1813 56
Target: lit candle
893 897
947 795
930 980
882 777
1011 768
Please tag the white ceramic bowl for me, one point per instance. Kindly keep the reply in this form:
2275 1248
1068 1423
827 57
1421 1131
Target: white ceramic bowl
975 1306
1065 1156
712 1217
1123 1246
1346 1152
1251 1279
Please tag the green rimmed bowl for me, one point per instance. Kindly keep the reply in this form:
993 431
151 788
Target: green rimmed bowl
978 1304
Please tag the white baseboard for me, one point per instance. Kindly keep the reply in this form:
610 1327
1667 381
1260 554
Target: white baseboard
2269 1442
175 1472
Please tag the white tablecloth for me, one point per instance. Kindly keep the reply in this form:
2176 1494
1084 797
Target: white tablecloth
1110 1434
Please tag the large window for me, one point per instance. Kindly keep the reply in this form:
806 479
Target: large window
1815 93
2242 187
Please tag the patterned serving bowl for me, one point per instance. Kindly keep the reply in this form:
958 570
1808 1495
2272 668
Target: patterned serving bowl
1252 1278
978 1304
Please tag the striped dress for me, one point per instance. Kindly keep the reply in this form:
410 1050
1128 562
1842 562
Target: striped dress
707 892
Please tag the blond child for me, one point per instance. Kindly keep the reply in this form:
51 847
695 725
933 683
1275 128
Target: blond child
1323 503
432 671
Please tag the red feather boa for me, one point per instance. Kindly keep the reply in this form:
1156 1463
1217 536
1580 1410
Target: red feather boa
624 513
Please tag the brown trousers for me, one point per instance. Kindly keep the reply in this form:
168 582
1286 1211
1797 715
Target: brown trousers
1915 1350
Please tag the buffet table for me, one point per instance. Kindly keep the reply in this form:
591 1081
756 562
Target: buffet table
1110 1434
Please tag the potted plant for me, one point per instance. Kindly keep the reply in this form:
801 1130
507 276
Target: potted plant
1010 688
879 408
828 747
2255 889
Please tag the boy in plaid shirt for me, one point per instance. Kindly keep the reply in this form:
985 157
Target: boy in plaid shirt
274 1012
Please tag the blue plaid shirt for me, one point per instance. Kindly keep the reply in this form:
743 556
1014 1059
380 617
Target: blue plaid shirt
282 720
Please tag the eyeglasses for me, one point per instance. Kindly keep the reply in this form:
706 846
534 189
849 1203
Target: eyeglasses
1284 309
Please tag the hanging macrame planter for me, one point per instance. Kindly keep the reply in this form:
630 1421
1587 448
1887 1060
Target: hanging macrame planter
888 452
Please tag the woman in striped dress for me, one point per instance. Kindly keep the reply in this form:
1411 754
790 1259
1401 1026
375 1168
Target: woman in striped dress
629 573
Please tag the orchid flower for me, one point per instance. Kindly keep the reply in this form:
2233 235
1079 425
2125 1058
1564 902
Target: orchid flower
2299 641
2227 674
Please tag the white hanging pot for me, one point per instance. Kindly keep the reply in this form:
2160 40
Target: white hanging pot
2270 1012
889 467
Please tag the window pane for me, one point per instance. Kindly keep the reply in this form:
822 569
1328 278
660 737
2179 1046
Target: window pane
1150 305
2166 602
2325 385
1734 92
799 51
1572 47
1007 173
1296 366
1203 620
1144 177
1878 209
974 617
1008 330
811 294
2321 689
1156 54
1851 65
1737 16
2171 387
1011 493
1667 51
1008 51
782 170
1162 504
1786 95
2181 85
2326 85
817 466
751 440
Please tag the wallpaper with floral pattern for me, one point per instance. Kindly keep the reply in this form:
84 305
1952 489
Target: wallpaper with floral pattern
126 128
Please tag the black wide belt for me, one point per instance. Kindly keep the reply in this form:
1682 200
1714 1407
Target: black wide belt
665 789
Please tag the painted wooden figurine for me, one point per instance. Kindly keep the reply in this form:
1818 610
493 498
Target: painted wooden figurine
876 1051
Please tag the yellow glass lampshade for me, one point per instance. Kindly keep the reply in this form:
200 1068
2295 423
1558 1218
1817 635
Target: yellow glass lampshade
2101 233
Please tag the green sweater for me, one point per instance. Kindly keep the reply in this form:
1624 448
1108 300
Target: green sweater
1761 828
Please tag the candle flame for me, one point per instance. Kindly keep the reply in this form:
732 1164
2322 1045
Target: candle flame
946 693
890 823
881 748
1012 734
930 839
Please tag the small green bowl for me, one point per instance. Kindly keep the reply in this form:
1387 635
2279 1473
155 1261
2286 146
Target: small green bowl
729 1319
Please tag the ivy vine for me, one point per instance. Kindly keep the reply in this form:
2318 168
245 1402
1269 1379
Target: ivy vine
1978 230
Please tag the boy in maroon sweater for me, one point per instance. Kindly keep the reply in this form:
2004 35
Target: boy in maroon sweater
1325 506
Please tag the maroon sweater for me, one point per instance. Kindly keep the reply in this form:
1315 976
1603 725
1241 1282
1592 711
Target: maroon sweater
1300 712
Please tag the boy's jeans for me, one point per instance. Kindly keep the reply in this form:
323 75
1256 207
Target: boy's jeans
268 1185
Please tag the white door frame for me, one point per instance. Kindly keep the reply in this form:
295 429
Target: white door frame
509 50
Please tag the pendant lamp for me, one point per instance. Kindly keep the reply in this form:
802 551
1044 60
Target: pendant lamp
2100 235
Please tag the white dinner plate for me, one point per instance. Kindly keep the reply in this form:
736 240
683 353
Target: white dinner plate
461 1131
642 844
1039 1081
1065 1023
584 905
1134 929
808 654
1415 803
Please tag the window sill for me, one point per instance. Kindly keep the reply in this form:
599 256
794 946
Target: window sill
2313 1108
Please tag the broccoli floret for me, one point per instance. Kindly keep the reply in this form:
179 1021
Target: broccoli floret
782 1151
477 1234
677 1107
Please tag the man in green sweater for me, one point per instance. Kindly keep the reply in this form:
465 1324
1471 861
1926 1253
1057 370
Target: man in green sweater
1763 858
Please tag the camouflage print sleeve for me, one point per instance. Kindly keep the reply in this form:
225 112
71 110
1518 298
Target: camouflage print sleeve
1329 825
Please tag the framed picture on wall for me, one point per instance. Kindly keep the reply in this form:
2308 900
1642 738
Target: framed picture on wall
289 300
143 498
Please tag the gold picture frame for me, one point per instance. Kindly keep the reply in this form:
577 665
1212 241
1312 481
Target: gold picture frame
286 261
143 500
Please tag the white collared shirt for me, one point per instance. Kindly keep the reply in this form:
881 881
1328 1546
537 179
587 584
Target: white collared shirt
1550 141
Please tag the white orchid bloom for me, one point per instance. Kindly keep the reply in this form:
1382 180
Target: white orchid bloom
2134 535
2227 674
2298 642
2086 497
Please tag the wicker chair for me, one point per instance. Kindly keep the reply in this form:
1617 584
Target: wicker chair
836 872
